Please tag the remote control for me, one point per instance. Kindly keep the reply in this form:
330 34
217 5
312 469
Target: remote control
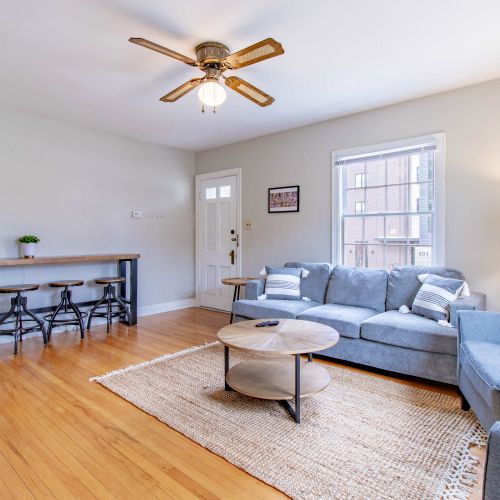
268 323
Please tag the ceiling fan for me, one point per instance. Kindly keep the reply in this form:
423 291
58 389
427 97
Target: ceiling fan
214 58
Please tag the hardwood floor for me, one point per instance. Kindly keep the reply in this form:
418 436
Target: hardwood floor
63 437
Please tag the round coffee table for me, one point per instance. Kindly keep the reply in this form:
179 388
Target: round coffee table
280 378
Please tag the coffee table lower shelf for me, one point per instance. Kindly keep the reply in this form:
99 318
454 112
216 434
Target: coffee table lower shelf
278 379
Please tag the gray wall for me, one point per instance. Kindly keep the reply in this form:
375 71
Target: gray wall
469 116
75 188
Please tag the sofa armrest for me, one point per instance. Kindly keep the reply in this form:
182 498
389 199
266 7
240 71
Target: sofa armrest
479 325
475 302
254 288
491 488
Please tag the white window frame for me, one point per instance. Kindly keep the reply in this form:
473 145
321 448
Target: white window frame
438 236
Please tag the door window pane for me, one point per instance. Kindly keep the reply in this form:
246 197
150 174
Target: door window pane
210 193
225 191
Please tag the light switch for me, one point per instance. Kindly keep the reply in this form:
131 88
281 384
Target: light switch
136 214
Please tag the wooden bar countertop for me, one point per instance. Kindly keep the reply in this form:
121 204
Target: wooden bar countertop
68 259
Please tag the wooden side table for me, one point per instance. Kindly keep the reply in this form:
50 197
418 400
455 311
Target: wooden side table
237 283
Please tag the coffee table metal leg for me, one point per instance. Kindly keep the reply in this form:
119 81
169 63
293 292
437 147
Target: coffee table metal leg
226 368
295 412
310 357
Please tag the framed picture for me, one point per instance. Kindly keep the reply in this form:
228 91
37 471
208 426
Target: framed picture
283 199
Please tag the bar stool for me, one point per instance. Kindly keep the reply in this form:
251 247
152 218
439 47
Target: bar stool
72 315
18 307
109 300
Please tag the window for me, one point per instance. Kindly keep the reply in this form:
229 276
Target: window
387 211
359 180
211 193
225 191
359 207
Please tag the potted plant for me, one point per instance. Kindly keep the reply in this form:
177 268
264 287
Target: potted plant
28 243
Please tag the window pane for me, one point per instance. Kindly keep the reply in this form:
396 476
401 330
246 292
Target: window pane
422 167
349 257
360 180
397 198
397 170
395 256
375 173
375 256
225 191
351 172
353 196
374 230
210 193
421 197
353 230
375 200
421 256
420 229
396 229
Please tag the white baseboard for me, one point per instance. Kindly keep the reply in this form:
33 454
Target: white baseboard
166 306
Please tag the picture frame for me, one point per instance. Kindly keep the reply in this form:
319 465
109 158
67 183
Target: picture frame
284 199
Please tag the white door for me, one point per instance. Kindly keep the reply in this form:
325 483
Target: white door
218 248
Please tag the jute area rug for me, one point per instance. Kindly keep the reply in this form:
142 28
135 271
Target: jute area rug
363 437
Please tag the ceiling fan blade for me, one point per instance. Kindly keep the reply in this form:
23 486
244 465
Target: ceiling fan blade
249 91
182 90
162 50
255 53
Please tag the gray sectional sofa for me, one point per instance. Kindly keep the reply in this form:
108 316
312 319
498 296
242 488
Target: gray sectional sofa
363 306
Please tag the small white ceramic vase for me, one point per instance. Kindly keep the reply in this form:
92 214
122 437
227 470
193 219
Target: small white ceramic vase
28 250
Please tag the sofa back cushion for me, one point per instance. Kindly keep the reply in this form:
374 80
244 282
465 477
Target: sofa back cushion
355 286
403 283
315 284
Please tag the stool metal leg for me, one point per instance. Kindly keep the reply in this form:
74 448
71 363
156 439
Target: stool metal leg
76 311
122 304
35 318
93 310
54 315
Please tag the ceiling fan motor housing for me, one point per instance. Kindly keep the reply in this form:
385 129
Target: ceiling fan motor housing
211 54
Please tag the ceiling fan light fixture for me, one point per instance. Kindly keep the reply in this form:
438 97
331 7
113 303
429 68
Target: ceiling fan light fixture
212 94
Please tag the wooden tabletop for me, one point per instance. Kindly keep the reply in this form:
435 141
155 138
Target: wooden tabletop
69 259
290 336
237 281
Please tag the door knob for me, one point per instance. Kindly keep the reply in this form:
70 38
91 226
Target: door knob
231 254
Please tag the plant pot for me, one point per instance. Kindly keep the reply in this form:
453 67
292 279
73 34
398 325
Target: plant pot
28 250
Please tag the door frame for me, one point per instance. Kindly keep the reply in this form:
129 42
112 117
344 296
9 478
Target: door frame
198 180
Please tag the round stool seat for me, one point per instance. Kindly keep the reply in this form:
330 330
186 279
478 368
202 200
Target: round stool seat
18 288
109 280
65 283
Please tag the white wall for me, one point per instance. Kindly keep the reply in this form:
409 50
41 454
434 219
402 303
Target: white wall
75 188
469 117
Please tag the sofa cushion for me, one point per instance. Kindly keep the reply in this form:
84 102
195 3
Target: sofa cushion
315 284
345 319
283 283
257 309
403 283
410 331
481 363
355 286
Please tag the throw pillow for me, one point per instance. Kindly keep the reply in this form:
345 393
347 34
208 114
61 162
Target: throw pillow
435 296
283 283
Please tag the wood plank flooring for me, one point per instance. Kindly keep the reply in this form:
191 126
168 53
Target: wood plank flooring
63 437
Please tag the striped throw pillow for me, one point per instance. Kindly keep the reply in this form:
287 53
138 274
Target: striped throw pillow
283 283
435 296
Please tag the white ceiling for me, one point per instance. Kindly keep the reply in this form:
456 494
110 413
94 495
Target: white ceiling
70 59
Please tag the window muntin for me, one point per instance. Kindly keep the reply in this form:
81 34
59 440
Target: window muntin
387 207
